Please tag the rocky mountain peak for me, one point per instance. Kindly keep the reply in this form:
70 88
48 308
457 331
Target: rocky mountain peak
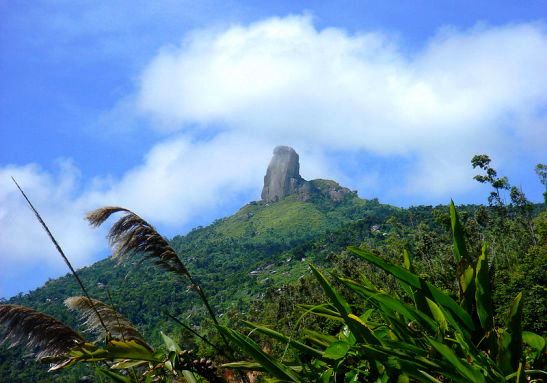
283 179
283 175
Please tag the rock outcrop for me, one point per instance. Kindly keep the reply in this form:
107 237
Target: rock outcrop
283 179
283 175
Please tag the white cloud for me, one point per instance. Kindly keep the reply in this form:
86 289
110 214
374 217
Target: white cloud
22 238
282 79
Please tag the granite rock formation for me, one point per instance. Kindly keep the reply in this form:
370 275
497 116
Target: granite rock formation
283 179
283 175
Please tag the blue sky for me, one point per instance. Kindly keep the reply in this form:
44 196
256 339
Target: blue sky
172 108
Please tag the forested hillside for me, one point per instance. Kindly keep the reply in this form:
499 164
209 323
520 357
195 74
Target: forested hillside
235 258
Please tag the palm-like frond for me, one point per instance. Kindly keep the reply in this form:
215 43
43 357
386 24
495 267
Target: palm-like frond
36 331
118 327
132 234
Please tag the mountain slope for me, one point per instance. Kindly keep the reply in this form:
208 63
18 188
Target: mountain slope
235 259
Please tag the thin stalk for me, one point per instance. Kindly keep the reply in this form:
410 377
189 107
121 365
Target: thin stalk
205 301
115 311
214 318
60 251
132 370
182 324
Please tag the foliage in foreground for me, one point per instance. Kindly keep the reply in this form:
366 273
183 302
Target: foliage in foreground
423 334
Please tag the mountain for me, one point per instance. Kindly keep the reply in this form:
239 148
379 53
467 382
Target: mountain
235 259
255 261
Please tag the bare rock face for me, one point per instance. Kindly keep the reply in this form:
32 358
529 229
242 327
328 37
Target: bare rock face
283 175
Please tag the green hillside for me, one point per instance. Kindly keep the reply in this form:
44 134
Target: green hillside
253 265
235 259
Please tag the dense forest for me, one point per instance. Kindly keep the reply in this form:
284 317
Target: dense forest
337 286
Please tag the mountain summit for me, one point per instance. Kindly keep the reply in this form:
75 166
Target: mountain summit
283 175
283 179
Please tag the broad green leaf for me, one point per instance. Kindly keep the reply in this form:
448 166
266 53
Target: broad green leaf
319 339
342 306
483 293
407 263
189 376
170 344
462 367
115 377
417 296
403 360
458 241
129 350
535 342
337 350
320 310
397 271
510 340
277 369
467 289
438 315
467 279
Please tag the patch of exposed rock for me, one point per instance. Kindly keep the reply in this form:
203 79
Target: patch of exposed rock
283 179
283 175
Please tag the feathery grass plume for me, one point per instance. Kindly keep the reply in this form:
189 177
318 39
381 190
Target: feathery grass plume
58 247
36 331
132 234
118 327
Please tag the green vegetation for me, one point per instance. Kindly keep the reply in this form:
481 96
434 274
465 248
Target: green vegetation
422 333
366 320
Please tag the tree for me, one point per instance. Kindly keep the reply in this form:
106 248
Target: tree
498 183
541 171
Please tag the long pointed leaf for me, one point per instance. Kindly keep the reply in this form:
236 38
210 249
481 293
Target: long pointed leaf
510 348
303 348
421 285
343 307
277 369
483 293
458 241
463 368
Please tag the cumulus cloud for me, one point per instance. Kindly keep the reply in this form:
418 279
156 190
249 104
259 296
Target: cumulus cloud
22 237
24 245
283 79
